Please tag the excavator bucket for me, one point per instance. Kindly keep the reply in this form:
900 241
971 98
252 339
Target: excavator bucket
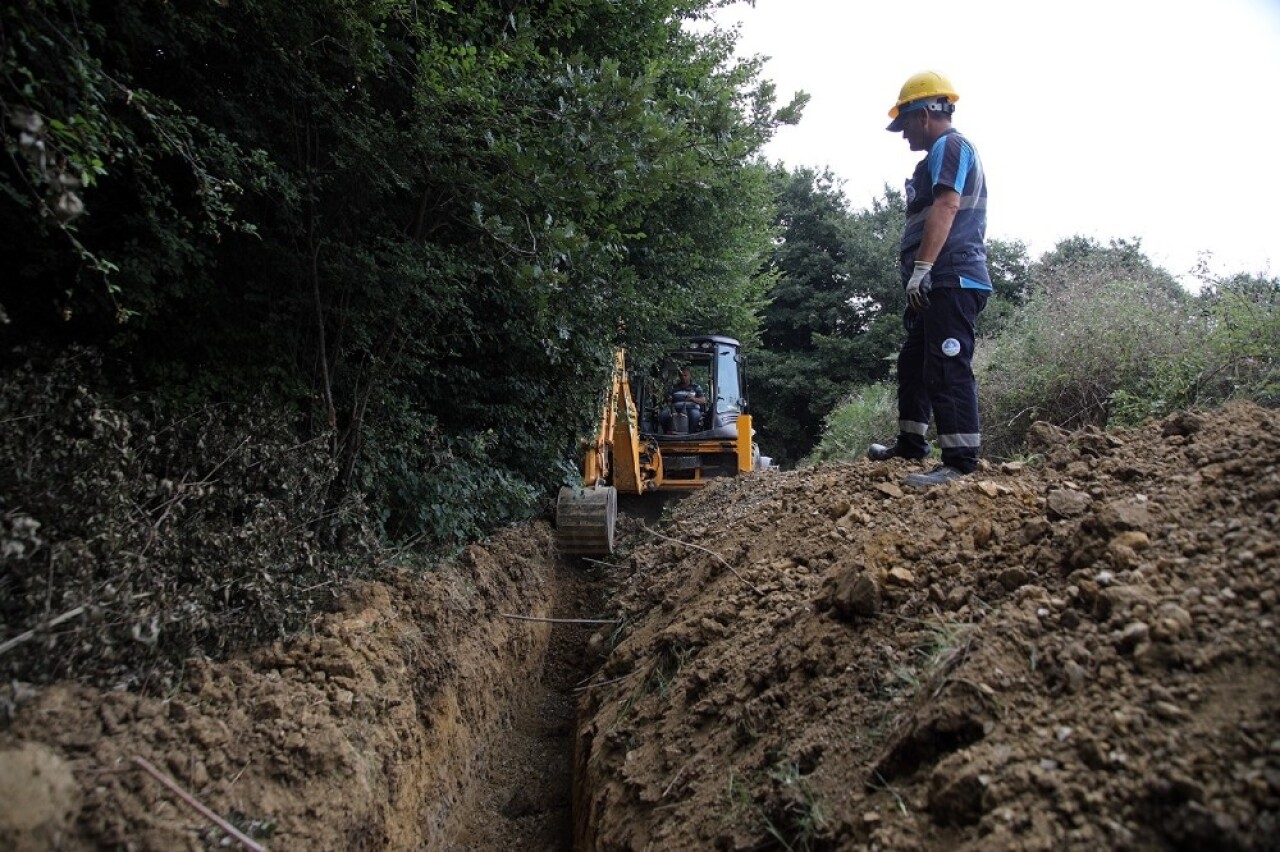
585 519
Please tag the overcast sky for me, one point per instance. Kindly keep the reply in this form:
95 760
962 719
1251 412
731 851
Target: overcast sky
1107 118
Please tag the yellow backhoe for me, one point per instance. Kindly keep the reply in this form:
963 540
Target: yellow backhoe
650 439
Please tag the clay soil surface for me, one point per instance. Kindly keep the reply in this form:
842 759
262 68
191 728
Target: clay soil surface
1076 651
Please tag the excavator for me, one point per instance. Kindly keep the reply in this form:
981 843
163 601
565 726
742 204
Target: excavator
647 442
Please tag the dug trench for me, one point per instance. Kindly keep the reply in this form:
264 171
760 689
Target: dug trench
1076 650
431 711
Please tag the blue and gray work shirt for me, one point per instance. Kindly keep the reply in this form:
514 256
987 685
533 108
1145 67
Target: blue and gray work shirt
952 163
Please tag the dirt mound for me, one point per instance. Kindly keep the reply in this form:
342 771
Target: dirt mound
364 733
1077 651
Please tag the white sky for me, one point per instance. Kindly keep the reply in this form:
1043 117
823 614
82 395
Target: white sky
1106 118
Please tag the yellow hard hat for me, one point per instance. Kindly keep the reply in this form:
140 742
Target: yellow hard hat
926 84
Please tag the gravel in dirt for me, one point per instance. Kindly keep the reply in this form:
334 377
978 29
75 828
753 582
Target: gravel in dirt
1078 650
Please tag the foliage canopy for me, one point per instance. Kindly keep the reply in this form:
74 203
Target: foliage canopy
421 227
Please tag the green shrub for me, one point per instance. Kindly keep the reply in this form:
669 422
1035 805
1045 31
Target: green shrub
1242 331
132 537
868 414
1093 335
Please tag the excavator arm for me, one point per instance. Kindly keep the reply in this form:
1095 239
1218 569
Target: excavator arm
587 513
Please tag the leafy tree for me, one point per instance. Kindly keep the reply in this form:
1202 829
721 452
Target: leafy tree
421 227
1081 259
826 325
1010 269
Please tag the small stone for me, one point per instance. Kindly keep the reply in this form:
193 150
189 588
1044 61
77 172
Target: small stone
852 596
958 597
199 775
1093 753
343 701
1133 634
1133 539
1171 622
1168 711
1063 733
983 532
900 576
1014 578
1075 675
889 489
1065 503
989 488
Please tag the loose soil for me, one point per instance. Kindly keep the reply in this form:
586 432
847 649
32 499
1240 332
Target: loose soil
1080 650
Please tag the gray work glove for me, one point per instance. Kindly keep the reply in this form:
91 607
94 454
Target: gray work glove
918 286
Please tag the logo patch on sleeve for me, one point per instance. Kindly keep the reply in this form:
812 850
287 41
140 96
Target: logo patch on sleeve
951 347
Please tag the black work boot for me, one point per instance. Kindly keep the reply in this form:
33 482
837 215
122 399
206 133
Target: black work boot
884 452
940 475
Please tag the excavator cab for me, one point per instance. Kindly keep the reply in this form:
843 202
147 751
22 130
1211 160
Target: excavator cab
715 365
645 441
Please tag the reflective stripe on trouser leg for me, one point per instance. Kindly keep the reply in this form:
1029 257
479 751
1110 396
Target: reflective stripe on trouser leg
952 389
914 410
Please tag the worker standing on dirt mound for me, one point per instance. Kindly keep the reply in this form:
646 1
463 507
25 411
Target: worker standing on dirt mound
944 269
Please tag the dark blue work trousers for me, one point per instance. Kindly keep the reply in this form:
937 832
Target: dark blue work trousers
935 377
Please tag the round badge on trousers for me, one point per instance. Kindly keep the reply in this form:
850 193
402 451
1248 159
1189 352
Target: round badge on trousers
951 347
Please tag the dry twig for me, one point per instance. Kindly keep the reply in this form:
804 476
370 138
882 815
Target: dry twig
721 559
244 839
587 686
54 622
558 620
602 563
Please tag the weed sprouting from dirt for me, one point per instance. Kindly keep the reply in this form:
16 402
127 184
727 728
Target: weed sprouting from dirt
667 668
798 824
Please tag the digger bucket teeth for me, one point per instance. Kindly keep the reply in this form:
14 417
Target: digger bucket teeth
585 519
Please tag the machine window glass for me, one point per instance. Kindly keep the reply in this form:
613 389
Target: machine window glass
728 393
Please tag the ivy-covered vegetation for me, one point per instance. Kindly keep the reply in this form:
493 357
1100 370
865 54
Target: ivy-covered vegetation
401 236
419 226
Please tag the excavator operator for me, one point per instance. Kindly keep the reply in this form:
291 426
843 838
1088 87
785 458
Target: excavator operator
688 398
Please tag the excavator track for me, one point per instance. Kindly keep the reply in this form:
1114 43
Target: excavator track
585 519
